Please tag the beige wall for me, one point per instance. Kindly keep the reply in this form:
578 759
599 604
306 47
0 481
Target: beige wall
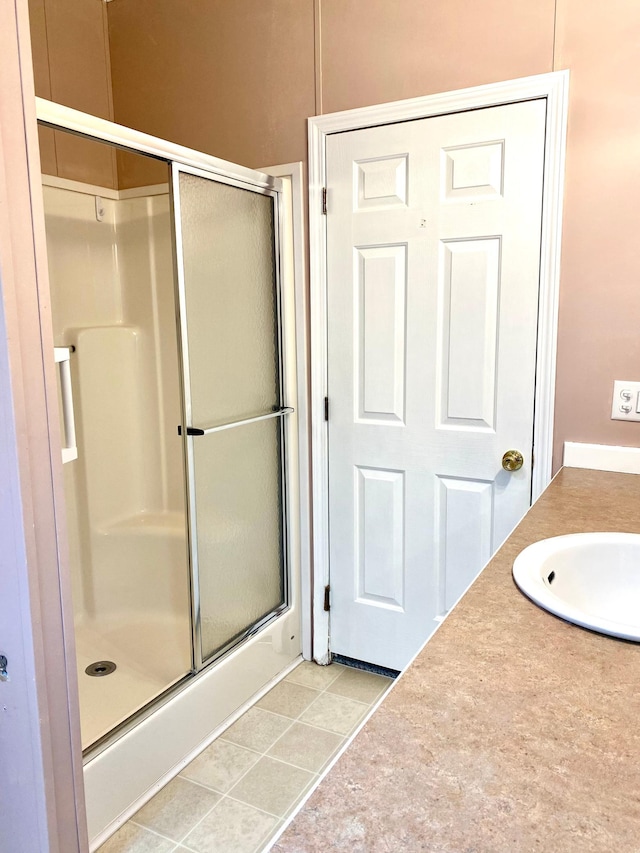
599 334
239 79
376 50
234 79
69 42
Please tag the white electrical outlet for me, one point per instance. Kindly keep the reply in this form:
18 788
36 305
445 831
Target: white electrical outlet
626 401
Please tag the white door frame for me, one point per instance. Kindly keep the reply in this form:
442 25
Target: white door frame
41 768
554 87
296 253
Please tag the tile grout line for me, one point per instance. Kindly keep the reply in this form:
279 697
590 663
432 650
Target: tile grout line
299 766
313 783
200 821
265 754
279 819
315 699
227 795
306 790
298 719
367 705
301 684
321 690
261 845
320 775
182 837
231 743
222 798
184 847
147 829
262 754
332 763
271 758
223 794
315 774
325 689
257 808
291 720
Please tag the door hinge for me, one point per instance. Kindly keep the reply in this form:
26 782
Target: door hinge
326 408
324 201
327 598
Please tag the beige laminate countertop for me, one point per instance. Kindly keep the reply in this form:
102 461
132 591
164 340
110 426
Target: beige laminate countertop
511 731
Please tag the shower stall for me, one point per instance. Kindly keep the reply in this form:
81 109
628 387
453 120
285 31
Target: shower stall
174 343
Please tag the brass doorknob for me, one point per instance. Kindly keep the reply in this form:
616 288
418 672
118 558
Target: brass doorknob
512 460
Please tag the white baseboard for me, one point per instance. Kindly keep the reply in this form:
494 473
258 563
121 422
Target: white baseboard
602 457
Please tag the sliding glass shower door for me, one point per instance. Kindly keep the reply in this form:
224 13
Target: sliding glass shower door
227 239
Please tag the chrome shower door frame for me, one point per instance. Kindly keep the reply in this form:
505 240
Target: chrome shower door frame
173 726
191 434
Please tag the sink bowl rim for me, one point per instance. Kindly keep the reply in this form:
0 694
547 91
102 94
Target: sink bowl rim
529 578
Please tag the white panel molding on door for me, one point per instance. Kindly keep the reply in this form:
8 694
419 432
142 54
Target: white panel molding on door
379 522
380 320
460 501
470 172
468 350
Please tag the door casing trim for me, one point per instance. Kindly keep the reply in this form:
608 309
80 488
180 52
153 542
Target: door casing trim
553 86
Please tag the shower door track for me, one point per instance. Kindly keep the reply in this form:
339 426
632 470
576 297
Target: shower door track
58 117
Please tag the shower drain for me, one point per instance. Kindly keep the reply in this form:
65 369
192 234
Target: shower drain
101 667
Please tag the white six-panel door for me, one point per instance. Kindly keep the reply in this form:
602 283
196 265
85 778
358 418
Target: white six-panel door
433 246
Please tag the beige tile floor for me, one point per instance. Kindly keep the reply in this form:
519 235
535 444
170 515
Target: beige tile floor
236 794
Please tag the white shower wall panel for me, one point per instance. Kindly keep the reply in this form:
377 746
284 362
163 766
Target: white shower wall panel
85 293
112 285
137 567
109 412
83 272
145 264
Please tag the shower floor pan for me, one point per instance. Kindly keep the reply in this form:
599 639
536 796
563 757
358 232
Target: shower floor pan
150 653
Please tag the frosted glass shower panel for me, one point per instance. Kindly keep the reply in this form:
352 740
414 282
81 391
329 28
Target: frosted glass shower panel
239 517
235 416
230 300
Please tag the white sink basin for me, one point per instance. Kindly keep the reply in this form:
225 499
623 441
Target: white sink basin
591 579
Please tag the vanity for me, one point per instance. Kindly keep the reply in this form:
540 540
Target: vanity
511 731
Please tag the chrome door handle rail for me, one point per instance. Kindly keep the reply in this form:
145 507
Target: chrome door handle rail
287 410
